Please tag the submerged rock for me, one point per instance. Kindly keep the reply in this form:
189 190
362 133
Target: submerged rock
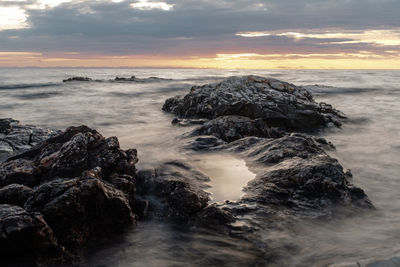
80 185
16 138
277 103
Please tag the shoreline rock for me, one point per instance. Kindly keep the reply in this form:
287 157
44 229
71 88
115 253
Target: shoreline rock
78 184
277 103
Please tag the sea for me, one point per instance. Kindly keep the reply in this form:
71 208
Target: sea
368 144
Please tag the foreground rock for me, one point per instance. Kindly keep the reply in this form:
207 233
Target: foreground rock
77 186
276 103
16 138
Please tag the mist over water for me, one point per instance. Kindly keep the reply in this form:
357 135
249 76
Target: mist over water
368 144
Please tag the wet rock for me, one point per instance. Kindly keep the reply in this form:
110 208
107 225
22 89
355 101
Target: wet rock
68 155
201 143
81 210
188 122
27 240
295 172
175 191
83 188
16 138
231 128
277 103
78 79
15 194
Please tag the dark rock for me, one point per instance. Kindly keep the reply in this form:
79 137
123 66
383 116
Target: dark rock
175 191
277 103
68 155
26 239
83 188
16 138
201 143
81 210
78 79
15 194
188 122
294 171
231 128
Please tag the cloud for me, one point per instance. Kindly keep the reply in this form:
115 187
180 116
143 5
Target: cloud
201 27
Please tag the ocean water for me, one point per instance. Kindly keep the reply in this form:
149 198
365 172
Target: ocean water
368 144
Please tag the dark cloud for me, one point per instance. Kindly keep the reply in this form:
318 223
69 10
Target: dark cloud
195 27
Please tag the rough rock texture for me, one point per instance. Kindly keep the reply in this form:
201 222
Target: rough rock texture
175 190
16 138
25 238
15 194
78 184
81 209
277 103
231 128
295 172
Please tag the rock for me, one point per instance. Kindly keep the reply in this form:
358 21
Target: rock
81 210
201 143
68 155
188 122
80 184
277 103
175 191
15 194
78 79
295 172
16 138
26 239
231 128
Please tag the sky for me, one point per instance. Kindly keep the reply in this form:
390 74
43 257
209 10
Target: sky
246 34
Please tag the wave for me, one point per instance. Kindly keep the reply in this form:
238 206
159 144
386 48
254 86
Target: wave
27 85
324 89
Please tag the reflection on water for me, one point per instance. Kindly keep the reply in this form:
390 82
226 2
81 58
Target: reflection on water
132 112
228 175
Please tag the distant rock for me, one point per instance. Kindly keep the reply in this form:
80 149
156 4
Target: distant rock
78 79
277 103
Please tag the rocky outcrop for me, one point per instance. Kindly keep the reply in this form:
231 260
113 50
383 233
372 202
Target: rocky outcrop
77 186
26 239
298 174
277 103
16 138
78 79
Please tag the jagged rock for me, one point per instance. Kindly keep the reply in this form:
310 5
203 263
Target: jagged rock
15 194
277 103
16 138
78 79
83 187
231 128
81 209
293 171
27 240
175 191
68 155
